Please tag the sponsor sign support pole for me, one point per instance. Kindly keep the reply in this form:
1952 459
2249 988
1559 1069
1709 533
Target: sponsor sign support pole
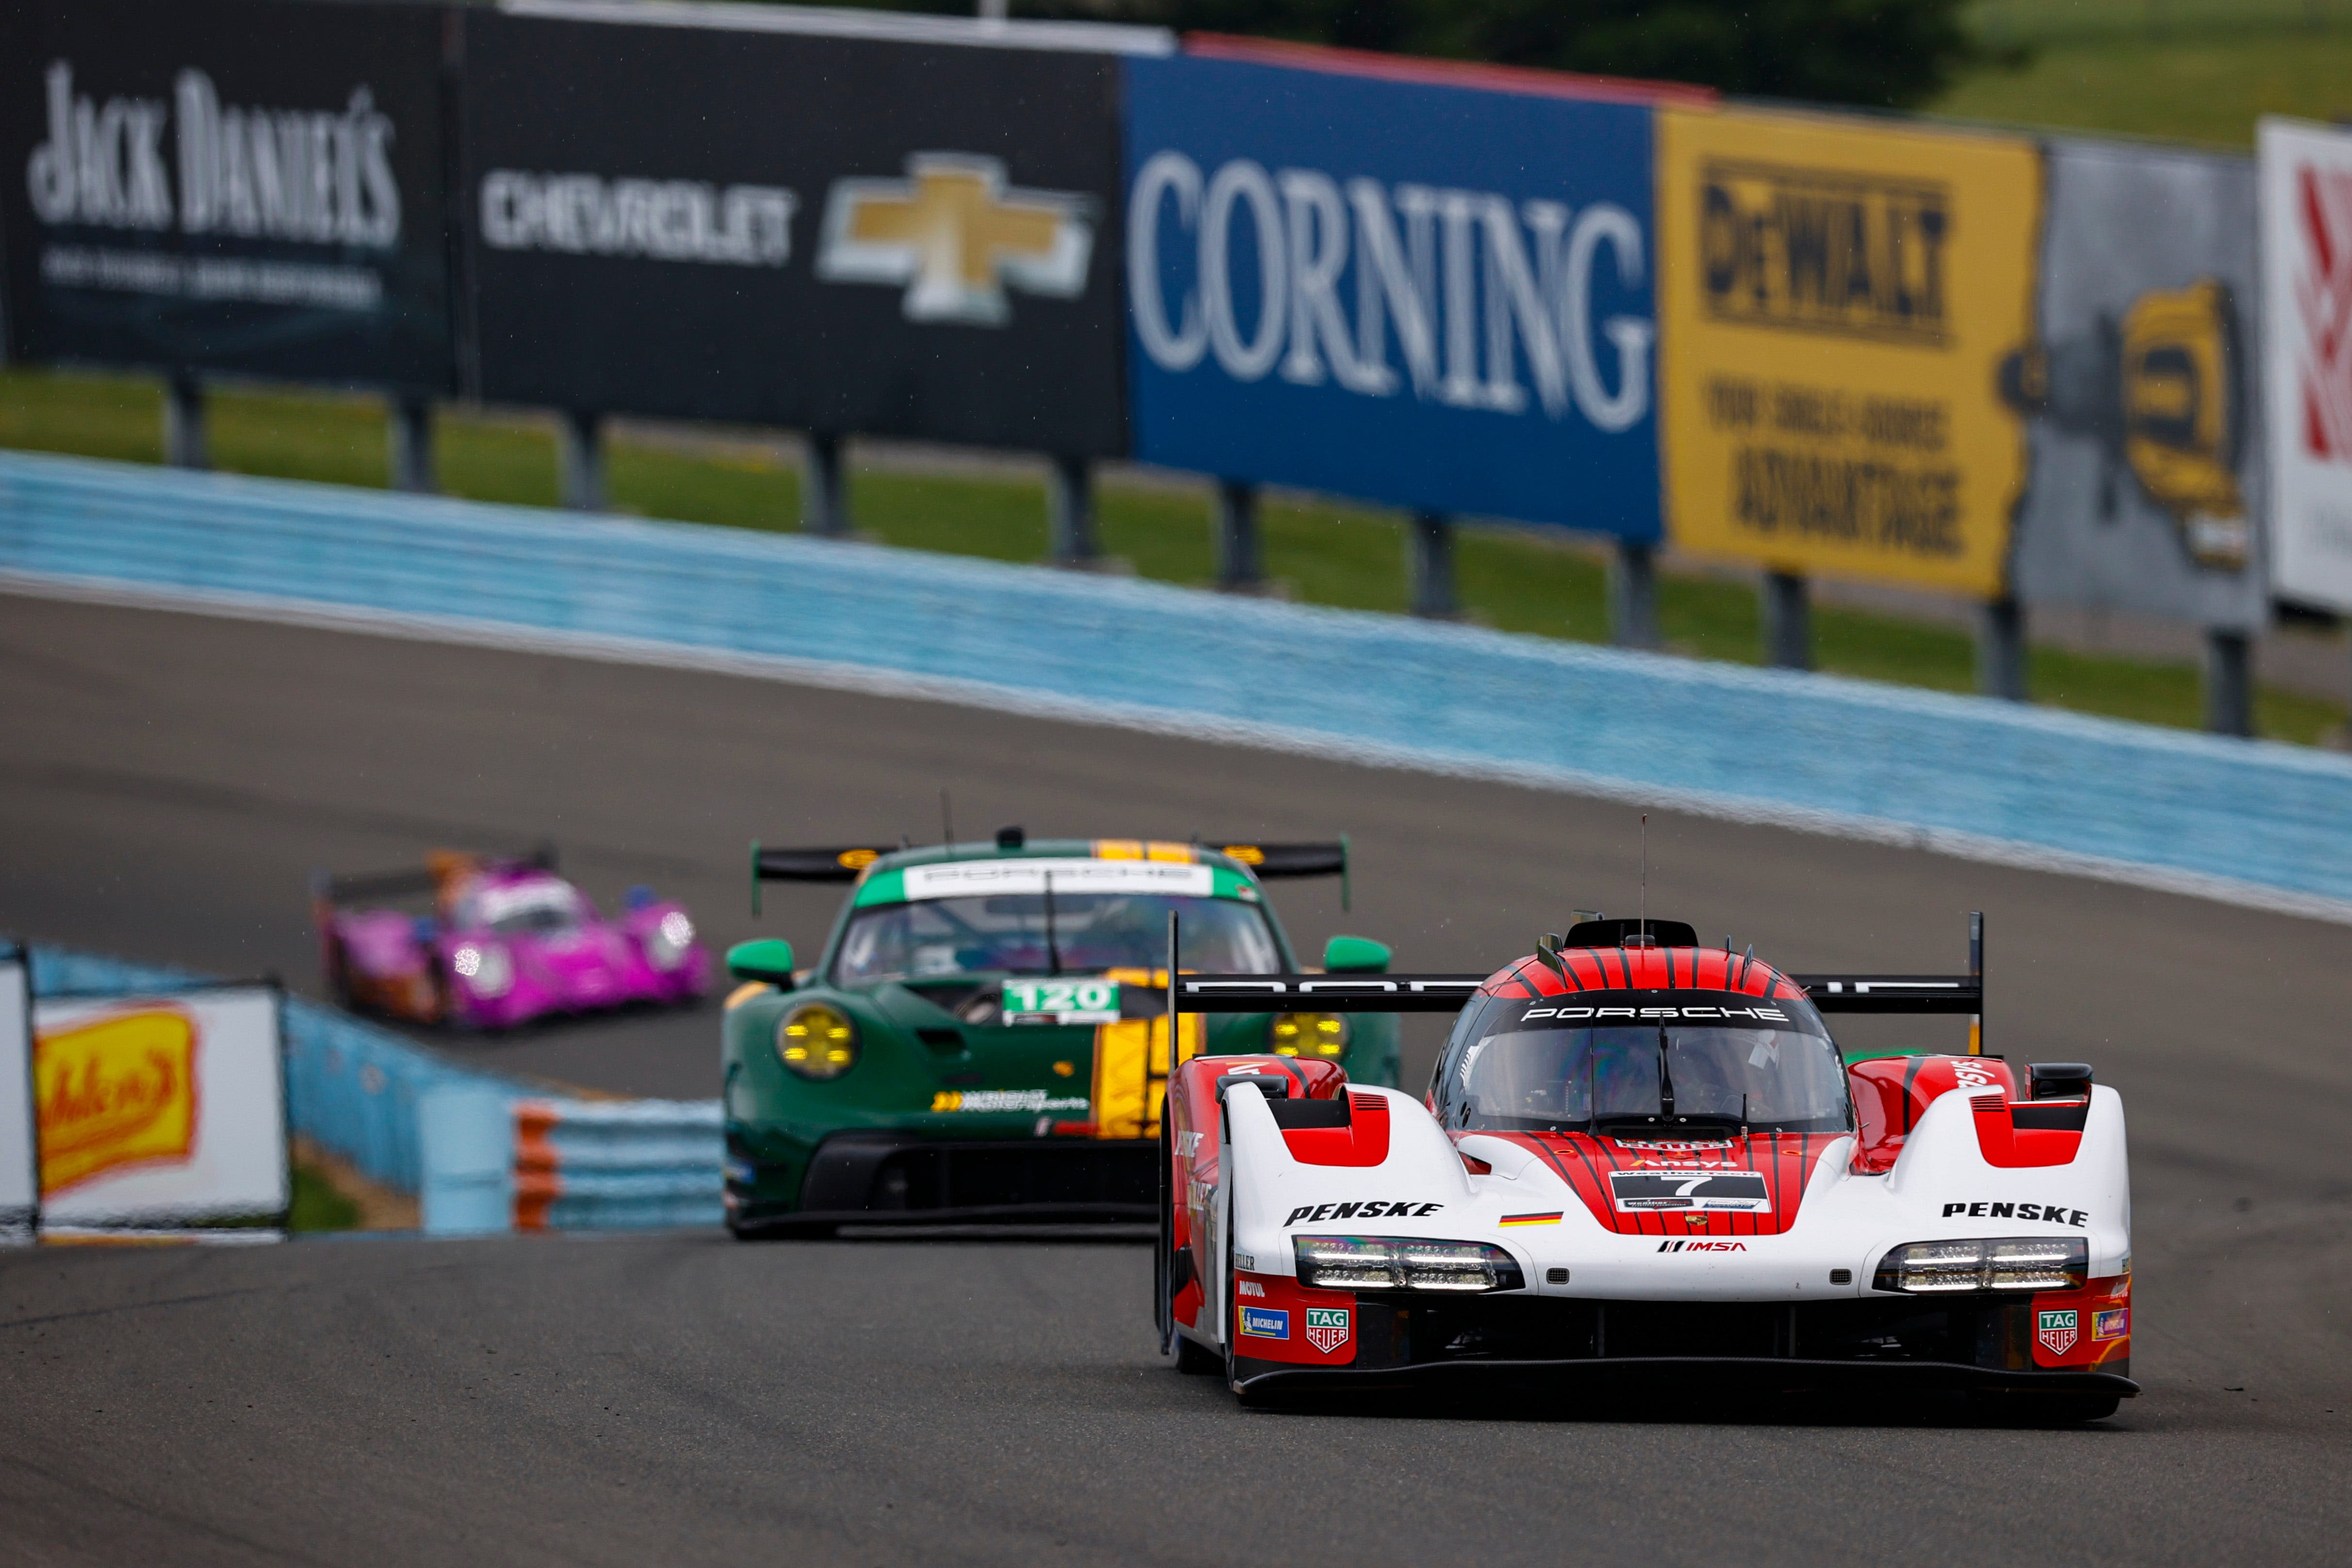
1430 566
2000 649
410 431
825 491
1070 505
1633 594
1788 622
581 458
183 422
1241 565
2228 682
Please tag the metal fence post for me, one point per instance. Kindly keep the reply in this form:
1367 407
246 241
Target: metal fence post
825 492
1240 562
2228 682
2000 649
1633 594
410 430
1070 513
184 446
1430 566
1788 622
583 461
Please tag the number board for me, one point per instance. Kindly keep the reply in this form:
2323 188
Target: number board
1059 1001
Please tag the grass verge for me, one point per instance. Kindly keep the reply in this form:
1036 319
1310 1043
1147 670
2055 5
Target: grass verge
1322 551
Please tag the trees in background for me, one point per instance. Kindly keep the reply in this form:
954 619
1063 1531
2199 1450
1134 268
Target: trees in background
1884 53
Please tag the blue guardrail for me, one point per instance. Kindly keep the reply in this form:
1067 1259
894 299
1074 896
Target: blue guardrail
2252 822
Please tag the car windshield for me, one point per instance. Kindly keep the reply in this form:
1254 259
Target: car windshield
1009 933
524 909
1566 1080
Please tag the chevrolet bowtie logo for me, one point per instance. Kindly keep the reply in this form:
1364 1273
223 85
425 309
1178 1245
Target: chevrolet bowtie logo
956 237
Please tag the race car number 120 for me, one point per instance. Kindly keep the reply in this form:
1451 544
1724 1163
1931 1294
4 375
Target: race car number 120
1060 1001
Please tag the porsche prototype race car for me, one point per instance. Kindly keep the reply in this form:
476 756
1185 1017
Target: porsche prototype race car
1642 1158
985 1034
505 940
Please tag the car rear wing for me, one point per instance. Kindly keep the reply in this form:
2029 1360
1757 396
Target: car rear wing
1268 861
1910 994
828 863
330 891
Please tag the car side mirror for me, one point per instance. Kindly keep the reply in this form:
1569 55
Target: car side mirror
769 959
1355 955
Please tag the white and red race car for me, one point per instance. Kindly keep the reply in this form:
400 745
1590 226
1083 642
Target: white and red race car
1640 1159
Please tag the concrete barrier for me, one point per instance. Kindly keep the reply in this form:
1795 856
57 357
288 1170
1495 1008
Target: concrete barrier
2253 823
483 1153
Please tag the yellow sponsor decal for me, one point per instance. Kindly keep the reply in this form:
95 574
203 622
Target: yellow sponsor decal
119 1090
857 859
1119 848
1836 299
1137 849
1131 1079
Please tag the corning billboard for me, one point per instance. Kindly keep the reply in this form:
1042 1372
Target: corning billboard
1431 296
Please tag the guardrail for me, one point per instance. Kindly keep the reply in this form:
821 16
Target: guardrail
483 1153
2250 822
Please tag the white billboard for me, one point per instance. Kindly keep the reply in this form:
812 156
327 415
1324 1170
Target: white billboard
19 1189
2306 221
161 1110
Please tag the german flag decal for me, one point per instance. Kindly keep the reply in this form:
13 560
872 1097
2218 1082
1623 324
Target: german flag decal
1551 1219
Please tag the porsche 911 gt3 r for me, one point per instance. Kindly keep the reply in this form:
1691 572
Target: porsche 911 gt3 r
984 1036
1642 1158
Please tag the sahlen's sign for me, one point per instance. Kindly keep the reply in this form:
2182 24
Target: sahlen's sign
850 234
251 186
1427 295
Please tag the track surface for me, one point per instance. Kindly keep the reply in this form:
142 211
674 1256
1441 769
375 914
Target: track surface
167 782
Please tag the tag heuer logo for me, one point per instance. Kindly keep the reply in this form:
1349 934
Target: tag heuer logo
2058 1331
956 237
1327 1328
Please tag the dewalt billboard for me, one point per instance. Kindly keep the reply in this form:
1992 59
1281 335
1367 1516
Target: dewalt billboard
1836 300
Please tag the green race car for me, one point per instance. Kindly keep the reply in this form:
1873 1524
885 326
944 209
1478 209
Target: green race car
985 1036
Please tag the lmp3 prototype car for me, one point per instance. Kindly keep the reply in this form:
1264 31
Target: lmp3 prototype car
507 940
985 1036
1642 1158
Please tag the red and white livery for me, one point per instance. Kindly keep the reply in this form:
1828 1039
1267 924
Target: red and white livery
1644 1159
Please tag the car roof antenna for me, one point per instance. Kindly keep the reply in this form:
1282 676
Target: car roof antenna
947 826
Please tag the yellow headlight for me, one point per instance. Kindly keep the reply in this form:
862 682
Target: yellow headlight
1308 1035
816 1041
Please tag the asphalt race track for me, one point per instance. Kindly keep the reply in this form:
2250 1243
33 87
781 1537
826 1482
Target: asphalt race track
168 782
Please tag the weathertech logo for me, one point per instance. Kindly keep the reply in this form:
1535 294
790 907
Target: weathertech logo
956 237
1702 1246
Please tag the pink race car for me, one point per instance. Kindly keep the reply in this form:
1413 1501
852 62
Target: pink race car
508 941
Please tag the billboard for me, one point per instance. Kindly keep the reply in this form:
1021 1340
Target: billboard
1434 297
249 185
19 1184
1838 298
158 1111
2306 228
833 232
2140 386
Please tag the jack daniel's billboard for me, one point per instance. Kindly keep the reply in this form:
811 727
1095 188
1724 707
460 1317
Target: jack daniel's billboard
250 186
756 223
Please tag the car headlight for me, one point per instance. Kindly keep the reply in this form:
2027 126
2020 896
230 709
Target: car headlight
1308 1035
666 944
485 968
1403 1263
2020 1263
816 1042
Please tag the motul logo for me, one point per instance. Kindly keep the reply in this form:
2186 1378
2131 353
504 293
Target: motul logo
1702 1246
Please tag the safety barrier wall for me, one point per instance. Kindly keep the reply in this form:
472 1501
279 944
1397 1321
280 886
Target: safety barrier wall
2252 822
483 1153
